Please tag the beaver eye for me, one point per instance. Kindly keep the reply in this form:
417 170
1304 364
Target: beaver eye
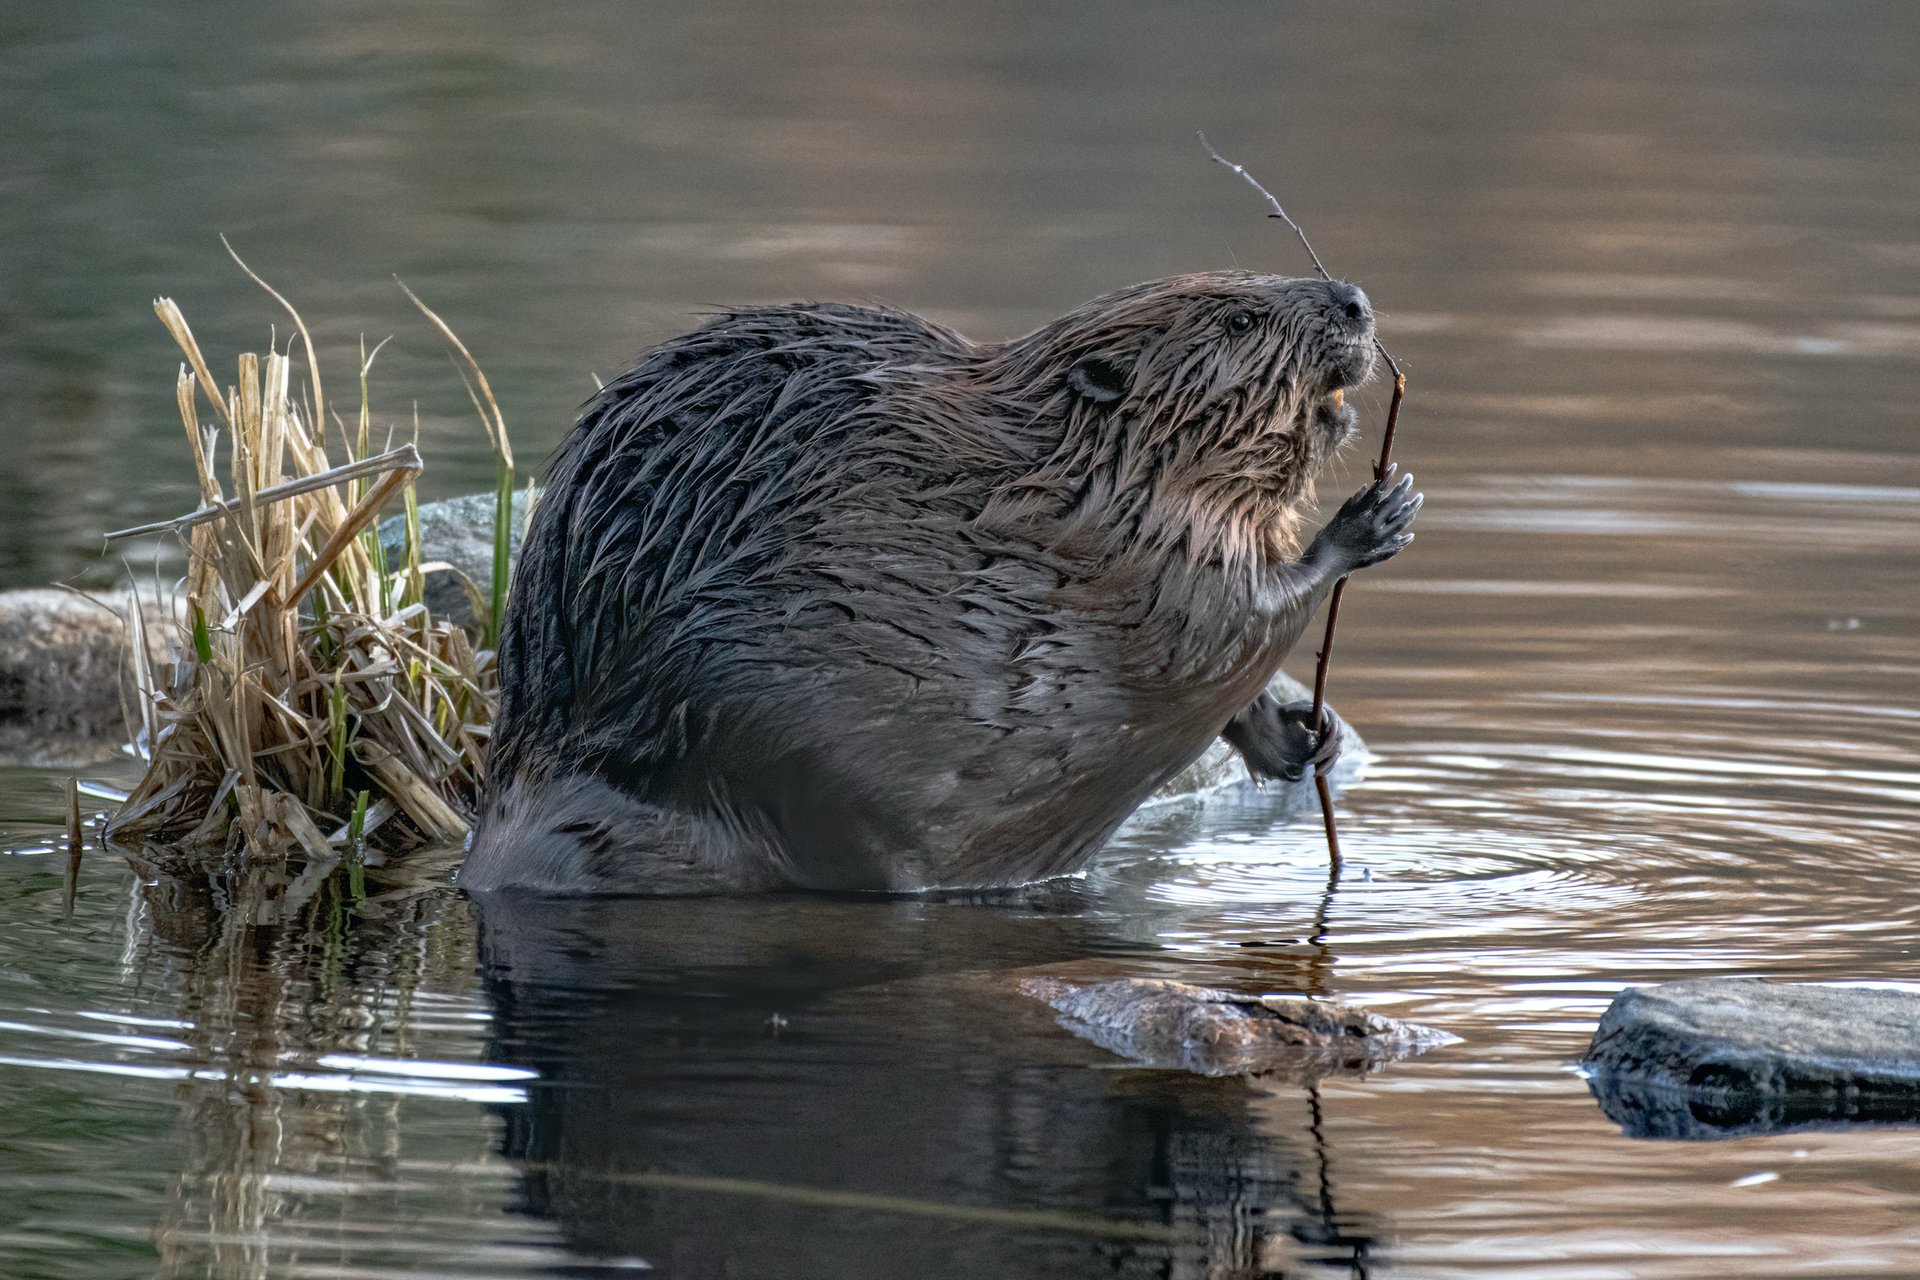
1240 321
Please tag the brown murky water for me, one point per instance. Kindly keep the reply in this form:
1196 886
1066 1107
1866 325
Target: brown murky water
1645 695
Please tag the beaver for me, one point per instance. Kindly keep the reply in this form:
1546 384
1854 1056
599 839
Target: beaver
832 597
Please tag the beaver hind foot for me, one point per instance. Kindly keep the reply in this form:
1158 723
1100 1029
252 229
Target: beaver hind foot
833 597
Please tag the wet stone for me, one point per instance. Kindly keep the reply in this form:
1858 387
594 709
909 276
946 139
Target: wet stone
1211 1032
457 532
1725 1057
64 672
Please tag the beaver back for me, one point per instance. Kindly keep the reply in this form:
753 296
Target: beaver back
688 486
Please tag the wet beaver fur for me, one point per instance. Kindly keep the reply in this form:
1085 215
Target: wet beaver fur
833 597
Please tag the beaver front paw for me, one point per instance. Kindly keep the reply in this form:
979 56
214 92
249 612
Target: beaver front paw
1372 525
1280 741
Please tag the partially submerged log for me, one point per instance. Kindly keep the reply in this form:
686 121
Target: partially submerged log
1210 1032
1721 1057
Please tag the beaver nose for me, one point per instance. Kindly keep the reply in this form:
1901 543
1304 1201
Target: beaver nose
1350 303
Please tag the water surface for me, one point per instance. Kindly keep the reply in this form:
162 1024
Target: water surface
1645 694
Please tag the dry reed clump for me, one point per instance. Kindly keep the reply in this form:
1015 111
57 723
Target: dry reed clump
314 704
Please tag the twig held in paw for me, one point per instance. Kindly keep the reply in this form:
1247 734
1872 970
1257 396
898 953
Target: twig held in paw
1324 658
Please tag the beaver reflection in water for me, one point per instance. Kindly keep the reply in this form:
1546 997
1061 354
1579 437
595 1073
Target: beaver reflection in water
833 597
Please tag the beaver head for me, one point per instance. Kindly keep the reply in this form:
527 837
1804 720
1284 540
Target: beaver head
1192 410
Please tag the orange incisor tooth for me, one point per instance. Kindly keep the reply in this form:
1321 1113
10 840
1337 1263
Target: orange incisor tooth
1339 397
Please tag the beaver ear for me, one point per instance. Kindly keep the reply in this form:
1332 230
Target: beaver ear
1100 378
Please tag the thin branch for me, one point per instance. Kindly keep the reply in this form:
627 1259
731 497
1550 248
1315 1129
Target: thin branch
1305 243
406 457
1324 659
1278 212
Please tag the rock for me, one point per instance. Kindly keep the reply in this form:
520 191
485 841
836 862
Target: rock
1221 1033
1719 1057
63 671
459 532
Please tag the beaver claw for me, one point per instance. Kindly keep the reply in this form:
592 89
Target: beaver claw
1280 742
1372 525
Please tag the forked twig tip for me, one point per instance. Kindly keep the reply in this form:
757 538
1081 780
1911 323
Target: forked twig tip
1273 202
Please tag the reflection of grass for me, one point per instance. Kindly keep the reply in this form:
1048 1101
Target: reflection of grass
314 703
267 988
